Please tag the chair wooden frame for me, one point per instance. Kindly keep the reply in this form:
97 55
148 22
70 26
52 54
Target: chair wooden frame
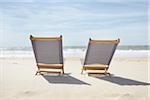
48 66
101 67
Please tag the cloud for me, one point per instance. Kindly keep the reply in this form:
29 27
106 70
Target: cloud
75 20
75 1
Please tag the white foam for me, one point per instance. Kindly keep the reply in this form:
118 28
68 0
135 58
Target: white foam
17 53
132 53
76 53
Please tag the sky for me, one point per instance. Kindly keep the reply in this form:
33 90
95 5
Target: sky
76 20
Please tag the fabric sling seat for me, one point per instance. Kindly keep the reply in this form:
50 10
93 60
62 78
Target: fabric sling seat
99 55
48 54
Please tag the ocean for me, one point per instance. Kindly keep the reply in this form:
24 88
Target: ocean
77 51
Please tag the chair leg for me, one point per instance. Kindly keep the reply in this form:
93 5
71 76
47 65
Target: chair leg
63 71
82 71
108 74
36 73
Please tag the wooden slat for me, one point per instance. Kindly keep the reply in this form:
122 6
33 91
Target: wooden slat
51 72
46 38
50 66
97 72
105 41
95 67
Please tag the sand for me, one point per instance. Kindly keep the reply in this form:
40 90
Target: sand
129 81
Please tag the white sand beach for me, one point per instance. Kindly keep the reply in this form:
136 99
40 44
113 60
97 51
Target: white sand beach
129 81
51 30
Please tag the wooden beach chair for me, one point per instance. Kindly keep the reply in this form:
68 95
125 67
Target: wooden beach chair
48 54
98 56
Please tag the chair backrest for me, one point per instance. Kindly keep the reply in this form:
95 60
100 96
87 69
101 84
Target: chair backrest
100 51
47 50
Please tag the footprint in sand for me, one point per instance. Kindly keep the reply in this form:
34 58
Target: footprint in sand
27 93
127 96
14 63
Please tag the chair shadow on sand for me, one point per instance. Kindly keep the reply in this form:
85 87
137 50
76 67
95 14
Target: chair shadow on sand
63 79
120 80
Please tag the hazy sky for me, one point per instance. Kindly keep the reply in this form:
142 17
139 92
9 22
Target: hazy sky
76 20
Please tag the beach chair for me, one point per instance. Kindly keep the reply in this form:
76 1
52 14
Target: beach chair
48 54
98 56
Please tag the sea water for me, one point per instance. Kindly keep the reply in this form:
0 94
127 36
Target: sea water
78 51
